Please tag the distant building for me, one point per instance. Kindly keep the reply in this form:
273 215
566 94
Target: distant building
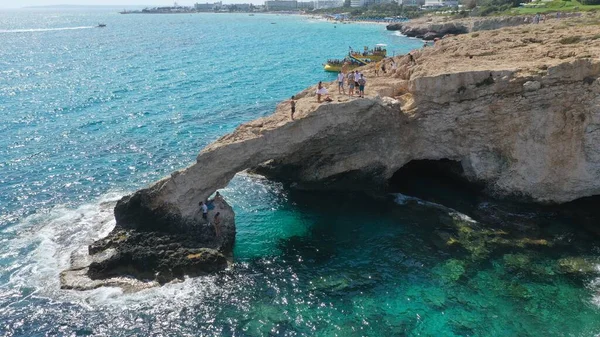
281 5
440 3
376 2
239 7
320 4
411 2
208 7
361 3
306 5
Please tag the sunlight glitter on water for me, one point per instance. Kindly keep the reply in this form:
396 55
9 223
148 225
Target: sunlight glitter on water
95 114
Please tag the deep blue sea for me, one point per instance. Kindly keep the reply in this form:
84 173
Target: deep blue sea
88 115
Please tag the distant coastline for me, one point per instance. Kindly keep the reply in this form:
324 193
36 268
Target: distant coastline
132 7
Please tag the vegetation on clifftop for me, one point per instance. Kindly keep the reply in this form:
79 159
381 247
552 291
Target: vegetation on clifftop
375 11
472 8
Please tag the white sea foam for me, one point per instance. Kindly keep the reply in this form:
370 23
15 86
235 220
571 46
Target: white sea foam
43 242
594 286
402 199
42 29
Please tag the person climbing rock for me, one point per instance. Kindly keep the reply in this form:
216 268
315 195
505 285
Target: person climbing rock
204 209
217 224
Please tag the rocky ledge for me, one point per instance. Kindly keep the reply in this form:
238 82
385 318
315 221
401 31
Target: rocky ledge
429 28
517 109
148 249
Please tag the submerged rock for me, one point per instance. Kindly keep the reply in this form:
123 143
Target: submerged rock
451 270
577 265
516 261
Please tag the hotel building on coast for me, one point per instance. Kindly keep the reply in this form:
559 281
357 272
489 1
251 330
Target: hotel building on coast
281 5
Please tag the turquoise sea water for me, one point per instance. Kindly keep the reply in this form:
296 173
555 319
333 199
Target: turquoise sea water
88 115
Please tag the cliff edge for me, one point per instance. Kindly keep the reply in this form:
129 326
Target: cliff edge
518 108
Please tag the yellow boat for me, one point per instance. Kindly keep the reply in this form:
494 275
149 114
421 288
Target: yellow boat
336 68
357 59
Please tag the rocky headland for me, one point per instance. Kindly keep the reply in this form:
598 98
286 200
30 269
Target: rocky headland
517 110
432 27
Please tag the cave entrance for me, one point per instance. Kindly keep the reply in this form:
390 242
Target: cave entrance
442 181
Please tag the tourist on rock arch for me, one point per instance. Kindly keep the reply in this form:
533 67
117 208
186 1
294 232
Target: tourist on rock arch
321 90
204 209
351 83
217 224
341 77
293 108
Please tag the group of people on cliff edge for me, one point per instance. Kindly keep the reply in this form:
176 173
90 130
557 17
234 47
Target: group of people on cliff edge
355 80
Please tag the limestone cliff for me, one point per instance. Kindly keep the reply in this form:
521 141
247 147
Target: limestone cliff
429 28
519 108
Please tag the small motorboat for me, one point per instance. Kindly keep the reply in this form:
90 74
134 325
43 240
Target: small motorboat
101 25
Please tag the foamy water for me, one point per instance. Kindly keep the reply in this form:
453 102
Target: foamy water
33 30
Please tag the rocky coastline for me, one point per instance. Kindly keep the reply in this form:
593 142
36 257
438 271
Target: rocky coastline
431 28
149 249
517 110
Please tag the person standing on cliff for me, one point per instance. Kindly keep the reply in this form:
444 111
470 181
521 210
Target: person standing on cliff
293 105
341 77
351 83
361 86
204 209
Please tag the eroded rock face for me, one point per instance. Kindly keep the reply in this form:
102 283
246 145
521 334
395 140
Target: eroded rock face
539 145
521 116
431 28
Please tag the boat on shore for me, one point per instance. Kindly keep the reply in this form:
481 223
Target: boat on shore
356 59
346 64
